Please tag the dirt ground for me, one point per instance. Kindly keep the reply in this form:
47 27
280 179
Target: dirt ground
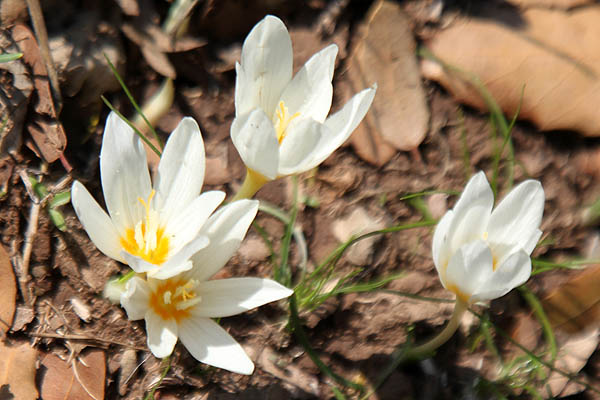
70 325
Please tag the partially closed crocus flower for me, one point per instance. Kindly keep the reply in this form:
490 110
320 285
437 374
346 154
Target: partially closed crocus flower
154 229
182 306
482 254
281 126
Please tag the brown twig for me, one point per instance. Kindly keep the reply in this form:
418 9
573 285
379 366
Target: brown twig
85 338
41 34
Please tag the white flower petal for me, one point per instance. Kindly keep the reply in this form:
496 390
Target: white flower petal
471 212
532 242
162 334
303 139
310 92
169 271
254 137
267 67
512 273
341 124
136 298
515 221
180 261
212 345
95 221
226 229
124 173
226 297
440 241
469 267
185 224
180 172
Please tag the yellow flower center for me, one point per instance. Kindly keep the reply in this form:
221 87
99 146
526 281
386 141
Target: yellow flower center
282 120
172 298
147 239
464 297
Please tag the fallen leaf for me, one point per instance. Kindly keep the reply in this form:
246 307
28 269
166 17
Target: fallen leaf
79 380
552 54
563 4
8 293
573 355
385 54
17 370
45 129
575 305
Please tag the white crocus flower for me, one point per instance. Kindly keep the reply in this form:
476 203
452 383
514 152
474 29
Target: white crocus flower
482 254
154 229
182 306
281 126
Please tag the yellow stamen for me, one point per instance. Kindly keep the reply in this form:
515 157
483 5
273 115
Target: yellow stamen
147 239
173 298
282 121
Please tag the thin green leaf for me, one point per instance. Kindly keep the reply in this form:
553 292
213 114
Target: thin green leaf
10 57
140 134
132 100
540 314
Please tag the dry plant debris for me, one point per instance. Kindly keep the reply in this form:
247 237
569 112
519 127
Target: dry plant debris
385 53
76 379
18 370
8 292
547 56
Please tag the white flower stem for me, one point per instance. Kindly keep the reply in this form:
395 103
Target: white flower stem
427 348
252 183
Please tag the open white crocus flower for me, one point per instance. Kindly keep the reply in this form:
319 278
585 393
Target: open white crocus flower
281 126
182 306
482 254
154 229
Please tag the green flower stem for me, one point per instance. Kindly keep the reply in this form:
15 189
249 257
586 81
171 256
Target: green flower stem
404 354
427 348
252 183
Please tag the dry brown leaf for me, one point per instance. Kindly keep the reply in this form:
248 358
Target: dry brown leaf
386 54
15 90
44 127
79 380
564 4
573 355
17 370
8 293
575 305
551 53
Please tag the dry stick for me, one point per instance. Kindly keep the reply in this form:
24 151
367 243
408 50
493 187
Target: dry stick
86 338
39 26
23 264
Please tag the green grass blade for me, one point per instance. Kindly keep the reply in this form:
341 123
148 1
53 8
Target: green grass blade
140 134
133 102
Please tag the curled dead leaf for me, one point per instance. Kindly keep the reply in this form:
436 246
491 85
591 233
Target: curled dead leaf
49 139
